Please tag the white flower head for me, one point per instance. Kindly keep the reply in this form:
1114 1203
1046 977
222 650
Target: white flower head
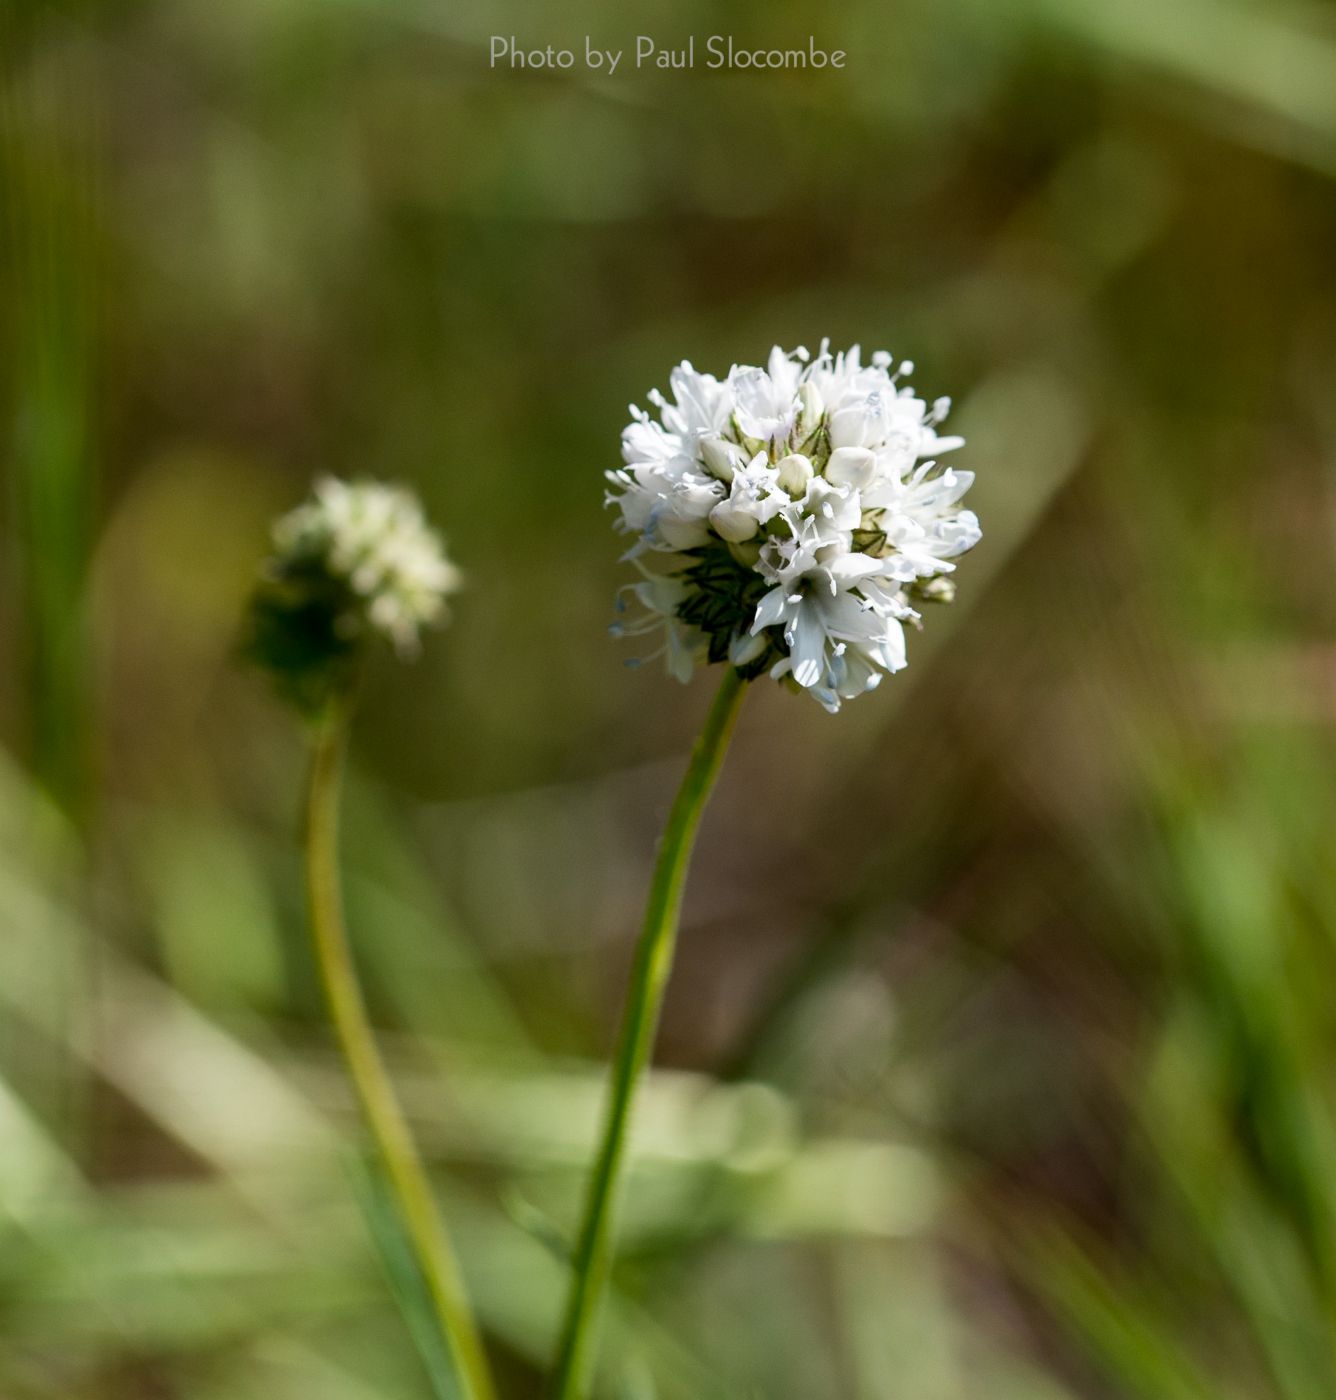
355 561
788 519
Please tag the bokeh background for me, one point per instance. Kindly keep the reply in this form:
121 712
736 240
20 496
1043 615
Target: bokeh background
1000 1056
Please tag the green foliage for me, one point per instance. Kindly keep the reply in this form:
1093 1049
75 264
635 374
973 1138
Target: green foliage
723 602
296 631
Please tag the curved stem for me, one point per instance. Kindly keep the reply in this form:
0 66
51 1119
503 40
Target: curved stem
375 1092
592 1261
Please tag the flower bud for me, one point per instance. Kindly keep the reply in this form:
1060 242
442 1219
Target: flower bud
747 552
935 590
721 458
848 427
811 409
733 524
745 648
851 466
795 471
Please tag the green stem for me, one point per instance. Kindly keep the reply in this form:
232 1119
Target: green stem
592 1261
375 1092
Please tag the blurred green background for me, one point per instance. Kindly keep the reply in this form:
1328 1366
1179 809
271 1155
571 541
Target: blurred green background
1000 1057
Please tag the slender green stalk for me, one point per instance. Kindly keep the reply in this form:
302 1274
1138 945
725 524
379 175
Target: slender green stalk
380 1107
592 1261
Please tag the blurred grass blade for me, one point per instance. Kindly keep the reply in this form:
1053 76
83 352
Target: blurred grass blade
405 1278
1130 1334
51 283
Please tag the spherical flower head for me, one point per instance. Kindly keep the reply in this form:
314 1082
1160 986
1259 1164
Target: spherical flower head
788 519
354 562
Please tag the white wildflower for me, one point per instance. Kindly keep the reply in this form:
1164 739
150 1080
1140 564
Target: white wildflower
356 560
787 519
375 539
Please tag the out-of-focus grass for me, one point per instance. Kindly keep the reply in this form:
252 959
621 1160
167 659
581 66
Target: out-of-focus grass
52 289
1000 1055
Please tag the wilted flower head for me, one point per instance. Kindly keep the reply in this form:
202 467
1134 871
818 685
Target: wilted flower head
356 560
788 519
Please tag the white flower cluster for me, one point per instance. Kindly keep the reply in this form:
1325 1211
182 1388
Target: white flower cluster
374 541
788 518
